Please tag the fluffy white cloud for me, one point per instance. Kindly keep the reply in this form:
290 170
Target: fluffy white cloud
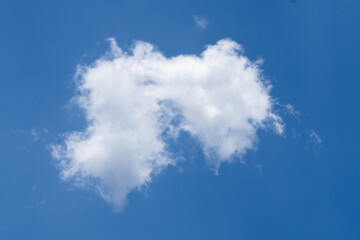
131 99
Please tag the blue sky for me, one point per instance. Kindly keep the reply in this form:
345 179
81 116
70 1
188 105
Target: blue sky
286 186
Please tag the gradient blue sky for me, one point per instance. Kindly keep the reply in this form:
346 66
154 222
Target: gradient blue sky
290 188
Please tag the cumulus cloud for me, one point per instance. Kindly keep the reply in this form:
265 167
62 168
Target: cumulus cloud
135 101
201 22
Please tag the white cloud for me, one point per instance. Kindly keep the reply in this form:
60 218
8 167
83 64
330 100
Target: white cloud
314 142
291 110
34 134
131 99
201 22
38 205
314 137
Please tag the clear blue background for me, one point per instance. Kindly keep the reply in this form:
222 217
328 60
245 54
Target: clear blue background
303 191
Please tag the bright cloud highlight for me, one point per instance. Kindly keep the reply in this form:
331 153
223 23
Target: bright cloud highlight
132 98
